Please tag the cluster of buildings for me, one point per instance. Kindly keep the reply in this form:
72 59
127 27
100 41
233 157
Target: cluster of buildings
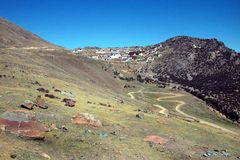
126 54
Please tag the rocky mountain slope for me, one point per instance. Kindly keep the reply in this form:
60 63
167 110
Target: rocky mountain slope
13 36
206 67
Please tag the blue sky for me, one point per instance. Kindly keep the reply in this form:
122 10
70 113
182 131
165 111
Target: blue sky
109 23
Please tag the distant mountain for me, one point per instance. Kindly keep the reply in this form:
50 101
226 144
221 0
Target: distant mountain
206 67
13 36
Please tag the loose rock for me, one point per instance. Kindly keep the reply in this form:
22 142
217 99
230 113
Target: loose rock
64 128
13 156
89 102
46 156
57 90
39 102
27 104
69 102
226 154
23 124
43 90
86 119
51 96
140 115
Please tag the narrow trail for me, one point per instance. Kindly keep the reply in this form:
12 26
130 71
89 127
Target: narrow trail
163 110
139 91
15 88
169 98
32 48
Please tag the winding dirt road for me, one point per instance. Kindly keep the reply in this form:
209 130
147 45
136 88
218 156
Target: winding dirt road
163 110
170 97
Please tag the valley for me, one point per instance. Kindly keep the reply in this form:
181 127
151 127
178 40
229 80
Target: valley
121 135
55 104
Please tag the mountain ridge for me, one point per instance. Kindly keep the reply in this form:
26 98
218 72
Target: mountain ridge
175 38
12 35
205 67
60 105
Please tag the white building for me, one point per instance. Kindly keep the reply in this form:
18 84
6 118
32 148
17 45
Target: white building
150 59
100 51
77 51
95 57
115 55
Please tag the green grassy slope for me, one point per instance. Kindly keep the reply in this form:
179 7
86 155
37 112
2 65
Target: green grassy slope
88 81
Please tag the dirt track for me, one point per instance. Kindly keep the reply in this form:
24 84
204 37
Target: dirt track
170 97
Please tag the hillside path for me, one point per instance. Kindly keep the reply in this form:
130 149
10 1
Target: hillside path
170 97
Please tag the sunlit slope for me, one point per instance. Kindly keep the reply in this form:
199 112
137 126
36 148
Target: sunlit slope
97 92
13 36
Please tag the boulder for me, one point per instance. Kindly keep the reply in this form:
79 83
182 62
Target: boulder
13 156
27 104
128 86
139 78
39 102
103 104
145 110
86 119
23 124
129 79
43 90
89 102
57 90
45 156
116 73
35 83
64 128
51 96
140 115
69 102
120 76
238 156
31 134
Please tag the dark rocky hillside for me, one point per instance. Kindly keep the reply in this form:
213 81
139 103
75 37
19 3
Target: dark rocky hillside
13 36
205 67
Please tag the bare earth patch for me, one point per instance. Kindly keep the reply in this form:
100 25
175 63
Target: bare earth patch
156 139
86 119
